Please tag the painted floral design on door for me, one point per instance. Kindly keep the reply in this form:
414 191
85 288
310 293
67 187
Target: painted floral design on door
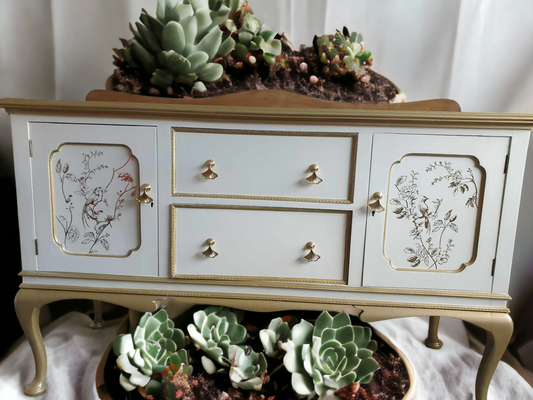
433 212
93 192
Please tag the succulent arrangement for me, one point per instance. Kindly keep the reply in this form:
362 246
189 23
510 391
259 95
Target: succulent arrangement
212 47
322 357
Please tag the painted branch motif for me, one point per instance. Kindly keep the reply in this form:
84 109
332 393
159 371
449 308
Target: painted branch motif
93 221
431 232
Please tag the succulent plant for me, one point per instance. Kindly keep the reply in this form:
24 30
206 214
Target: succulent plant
247 370
329 356
178 364
215 329
180 44
343 53
154 341
255 38
277 331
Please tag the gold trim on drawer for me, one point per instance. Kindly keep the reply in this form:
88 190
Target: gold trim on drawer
252 279
280 285
353 161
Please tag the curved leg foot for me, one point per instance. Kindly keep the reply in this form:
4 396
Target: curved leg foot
28 312
433 341
98 321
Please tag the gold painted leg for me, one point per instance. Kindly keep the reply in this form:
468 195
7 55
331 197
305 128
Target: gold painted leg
98 321
28 315
433 341
499 327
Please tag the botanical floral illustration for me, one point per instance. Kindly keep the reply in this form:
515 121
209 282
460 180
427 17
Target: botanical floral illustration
94 198
458 182
431 232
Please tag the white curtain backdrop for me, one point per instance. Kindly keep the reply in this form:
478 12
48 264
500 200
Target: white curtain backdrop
477 52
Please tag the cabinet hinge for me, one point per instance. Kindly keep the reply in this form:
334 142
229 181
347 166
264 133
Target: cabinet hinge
493 267
36 247
31 148
506 166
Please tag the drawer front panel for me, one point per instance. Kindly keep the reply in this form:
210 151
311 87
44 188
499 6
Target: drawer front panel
254 243
263 165
86 181
442 199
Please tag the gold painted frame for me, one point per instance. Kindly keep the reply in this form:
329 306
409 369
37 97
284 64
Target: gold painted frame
351 182
53 207
481 192
252 279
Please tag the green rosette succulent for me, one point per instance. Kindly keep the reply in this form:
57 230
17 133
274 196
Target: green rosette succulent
148 351
247 371
252 37
343 53
329 356
277 331
215 330
180 44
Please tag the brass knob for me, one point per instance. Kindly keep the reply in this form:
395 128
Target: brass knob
375 205
143 198
210 253
313 179
312 256
210 174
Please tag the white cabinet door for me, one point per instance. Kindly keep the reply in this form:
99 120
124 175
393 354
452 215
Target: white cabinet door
86 180
442 197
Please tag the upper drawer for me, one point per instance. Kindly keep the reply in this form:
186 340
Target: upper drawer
264 165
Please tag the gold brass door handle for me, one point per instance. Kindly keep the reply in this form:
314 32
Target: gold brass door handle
312 256
210 253
143 198
210 174
313 179
375 205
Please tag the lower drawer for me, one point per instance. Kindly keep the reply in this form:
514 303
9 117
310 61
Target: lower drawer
255 243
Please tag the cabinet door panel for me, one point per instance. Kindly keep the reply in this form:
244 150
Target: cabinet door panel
442 197
86 179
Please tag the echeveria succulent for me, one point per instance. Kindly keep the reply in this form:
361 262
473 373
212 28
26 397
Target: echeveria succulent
329 356
215 329
180 44
343 53
247 370
154 341
277 331
254 36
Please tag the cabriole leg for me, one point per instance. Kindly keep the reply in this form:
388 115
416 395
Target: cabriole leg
28 312
98 321
433 341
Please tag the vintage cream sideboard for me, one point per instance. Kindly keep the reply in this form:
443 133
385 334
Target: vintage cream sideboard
395 213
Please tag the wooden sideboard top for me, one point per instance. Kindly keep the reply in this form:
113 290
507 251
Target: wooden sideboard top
273 107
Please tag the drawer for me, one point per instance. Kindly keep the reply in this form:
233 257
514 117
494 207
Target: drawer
264 165
256 243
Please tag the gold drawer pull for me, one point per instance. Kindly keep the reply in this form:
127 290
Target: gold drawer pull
313 179
143 198
210 253
312 256
210 174
375 206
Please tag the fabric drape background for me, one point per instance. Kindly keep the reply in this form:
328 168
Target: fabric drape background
477 52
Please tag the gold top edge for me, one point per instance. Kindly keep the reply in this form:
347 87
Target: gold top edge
271 115
286 299
287 285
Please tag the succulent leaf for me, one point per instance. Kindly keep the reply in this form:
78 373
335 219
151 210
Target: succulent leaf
277 331
247 370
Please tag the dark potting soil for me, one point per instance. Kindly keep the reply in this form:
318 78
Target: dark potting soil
286 75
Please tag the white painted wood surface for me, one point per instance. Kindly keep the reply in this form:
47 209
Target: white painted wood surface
264 165
99 226
267 243
430 198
